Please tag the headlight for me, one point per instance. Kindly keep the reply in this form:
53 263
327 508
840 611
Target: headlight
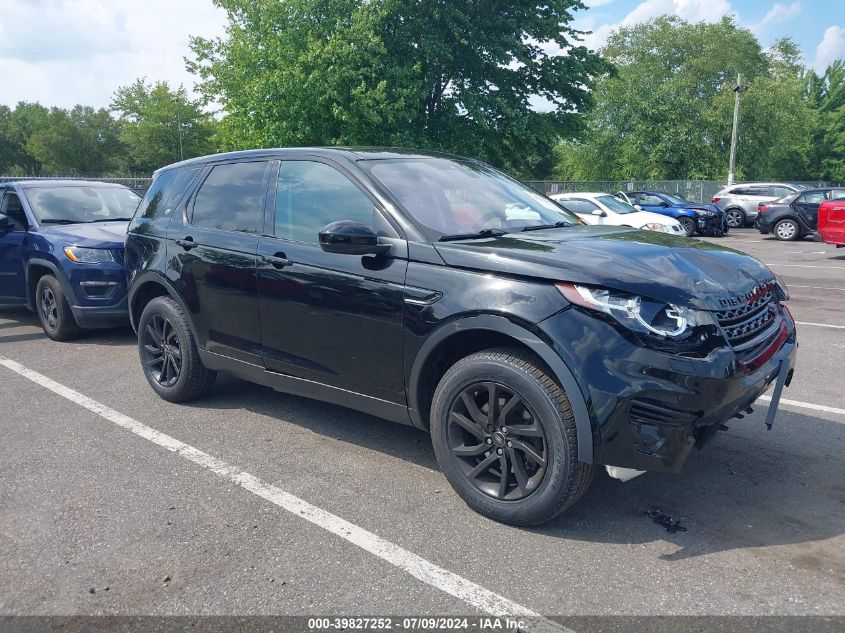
88 255
780 285
636 313
656 226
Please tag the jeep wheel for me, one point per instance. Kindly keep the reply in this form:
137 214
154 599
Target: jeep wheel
787 230
169 355
688 224
505 437
54 310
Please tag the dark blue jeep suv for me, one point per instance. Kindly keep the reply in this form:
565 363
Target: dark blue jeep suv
61 252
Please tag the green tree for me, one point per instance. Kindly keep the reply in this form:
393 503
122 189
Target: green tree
160 125
440 74
826 94
25 120
667 113
8 155
77 141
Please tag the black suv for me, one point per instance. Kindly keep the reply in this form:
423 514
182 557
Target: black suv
436 291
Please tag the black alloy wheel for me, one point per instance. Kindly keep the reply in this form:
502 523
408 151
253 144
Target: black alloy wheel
162 350
498 440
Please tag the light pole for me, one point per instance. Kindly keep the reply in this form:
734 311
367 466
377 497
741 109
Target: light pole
179 126
738 89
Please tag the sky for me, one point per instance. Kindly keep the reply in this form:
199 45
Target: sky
65 52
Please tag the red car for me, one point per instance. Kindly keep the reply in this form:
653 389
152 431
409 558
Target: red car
831 225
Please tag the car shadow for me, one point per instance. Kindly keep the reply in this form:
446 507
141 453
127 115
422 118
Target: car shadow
19 317
749 488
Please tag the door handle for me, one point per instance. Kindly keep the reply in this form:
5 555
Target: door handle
279 260
187 243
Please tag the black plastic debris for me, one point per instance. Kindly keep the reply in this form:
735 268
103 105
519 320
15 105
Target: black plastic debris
666 521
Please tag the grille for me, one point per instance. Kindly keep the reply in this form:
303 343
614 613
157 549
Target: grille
745 324
651 412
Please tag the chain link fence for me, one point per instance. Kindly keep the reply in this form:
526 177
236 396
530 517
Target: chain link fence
138 183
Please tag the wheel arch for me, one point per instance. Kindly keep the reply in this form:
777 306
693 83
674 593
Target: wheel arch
457 339
36 268
148 288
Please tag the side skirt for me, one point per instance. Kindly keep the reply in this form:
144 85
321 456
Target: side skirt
307 388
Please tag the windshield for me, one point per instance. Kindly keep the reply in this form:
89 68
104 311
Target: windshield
82 203
674 199
450 197
615 204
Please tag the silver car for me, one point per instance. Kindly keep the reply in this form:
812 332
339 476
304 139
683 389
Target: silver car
739 201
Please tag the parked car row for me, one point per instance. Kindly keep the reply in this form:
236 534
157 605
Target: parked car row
794 216
740 202
695 217
426 289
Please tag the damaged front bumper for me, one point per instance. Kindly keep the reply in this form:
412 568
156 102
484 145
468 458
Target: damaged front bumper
650 408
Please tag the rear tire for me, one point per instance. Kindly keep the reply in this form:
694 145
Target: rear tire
735 218
169 355
54 311
688 224
787 230
533 426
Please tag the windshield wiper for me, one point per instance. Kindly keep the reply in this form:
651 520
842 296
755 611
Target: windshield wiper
110 220
61 221
472 236
538 227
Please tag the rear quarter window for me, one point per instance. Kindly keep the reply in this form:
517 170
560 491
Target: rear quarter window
165 193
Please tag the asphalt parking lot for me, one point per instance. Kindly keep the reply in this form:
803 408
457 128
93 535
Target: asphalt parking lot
101 515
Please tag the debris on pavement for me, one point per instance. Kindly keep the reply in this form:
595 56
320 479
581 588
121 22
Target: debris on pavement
671 525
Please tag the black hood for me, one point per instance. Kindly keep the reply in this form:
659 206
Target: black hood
672 269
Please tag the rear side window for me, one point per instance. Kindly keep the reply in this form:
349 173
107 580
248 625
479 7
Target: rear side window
812 197
781 191
164 194
232 197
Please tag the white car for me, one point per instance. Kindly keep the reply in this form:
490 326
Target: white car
606 209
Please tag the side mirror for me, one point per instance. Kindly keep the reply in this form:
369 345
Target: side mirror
664 204
6 224
600 212
638 207
350 237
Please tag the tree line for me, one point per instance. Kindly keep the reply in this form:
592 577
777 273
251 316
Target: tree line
510 83
147 125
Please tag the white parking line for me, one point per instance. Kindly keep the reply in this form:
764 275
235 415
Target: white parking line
836 327
807 266
805 405
817 287
483 599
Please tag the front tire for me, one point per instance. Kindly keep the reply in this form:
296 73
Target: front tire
787 230
169 355
54 311
517 460
688 224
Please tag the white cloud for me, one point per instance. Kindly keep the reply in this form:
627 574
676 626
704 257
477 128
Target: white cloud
64 52
597 3
691 10
830 48
778 14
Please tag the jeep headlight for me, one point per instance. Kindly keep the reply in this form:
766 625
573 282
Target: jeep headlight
88 255
656 226
640 314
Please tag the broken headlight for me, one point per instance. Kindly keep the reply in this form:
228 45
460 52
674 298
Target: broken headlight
640 314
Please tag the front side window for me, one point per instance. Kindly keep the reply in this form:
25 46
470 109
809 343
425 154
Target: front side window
578 205
650 200
310 195
812 197
616 205
12 208
450 197
80 203
232 197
